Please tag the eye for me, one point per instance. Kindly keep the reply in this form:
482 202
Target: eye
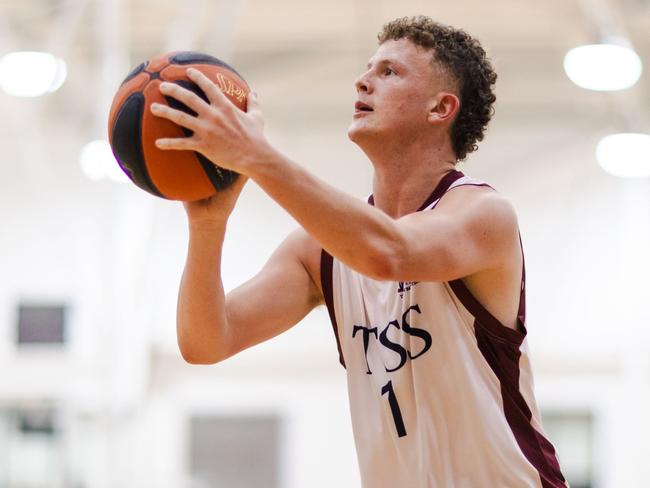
388 71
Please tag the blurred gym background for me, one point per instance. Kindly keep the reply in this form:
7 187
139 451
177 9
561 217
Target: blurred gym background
93 391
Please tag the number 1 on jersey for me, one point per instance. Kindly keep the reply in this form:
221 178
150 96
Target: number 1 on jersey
394 408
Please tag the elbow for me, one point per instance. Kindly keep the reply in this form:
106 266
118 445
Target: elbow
200 354
384 264
382 270
407 263
200 359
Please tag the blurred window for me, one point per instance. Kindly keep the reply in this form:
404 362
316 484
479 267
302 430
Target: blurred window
41 324
234 452
30 448
572 435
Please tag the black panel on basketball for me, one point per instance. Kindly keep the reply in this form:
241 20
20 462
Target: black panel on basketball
127 142
219 177
135 71
190 57
194 88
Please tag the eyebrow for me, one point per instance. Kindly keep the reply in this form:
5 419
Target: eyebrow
384 61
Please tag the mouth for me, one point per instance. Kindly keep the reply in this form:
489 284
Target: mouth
360 107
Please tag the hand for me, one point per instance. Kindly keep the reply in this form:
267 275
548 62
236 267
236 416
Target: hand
217 208
221 132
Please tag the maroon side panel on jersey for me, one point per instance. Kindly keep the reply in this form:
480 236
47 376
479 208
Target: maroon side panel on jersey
500 346
326 265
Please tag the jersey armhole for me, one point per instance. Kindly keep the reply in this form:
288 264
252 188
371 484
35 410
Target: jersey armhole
326 268
485 319
482 315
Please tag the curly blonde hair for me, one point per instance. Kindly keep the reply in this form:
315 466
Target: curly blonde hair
465 59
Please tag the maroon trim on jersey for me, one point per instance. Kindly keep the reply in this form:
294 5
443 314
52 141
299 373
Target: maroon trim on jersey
486 319
440 189
458 186
500 346
326 265
503 358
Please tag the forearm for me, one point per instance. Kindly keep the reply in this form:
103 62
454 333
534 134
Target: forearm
201 313
361 236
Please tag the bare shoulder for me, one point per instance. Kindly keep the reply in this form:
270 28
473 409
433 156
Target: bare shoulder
489 223
480 207
486 222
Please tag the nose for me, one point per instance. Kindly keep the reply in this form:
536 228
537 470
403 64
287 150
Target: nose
362 84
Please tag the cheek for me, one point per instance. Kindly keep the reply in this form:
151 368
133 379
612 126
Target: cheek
406 111
404 101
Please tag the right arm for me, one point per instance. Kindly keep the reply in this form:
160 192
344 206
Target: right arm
212 326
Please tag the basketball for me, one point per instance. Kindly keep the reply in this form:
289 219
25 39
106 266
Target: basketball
133 129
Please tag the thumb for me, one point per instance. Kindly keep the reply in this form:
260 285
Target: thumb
252 102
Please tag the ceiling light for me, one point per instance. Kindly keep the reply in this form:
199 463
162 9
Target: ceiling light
31 74
625 155
603 67
59 76
98 163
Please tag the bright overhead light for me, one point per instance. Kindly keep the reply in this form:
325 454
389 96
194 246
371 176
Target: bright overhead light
31 74
98 163
625 155
603 67
59 76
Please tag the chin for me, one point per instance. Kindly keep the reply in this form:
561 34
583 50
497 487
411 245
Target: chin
352 133
357 133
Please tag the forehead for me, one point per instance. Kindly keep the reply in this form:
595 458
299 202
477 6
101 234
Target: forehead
402 51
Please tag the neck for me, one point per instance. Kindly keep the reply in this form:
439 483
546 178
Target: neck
406 174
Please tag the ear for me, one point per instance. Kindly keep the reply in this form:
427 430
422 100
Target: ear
444 107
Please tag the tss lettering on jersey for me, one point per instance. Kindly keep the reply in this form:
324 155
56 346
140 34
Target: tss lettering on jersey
402 353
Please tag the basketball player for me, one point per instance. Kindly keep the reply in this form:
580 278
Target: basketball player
424 284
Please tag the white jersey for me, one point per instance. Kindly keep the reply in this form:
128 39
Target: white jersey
441 393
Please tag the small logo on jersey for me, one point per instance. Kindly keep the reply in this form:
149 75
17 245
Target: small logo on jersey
405 286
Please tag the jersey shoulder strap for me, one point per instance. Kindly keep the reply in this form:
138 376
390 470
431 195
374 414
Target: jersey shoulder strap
459 180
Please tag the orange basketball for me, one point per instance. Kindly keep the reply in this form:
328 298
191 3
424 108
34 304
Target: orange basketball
133 129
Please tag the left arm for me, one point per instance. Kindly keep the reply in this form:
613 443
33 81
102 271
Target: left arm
423 246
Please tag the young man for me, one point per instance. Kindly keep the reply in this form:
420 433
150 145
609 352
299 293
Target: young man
424 285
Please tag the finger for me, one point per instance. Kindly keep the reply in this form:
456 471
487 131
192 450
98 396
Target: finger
177 116
178 144
189 98
212 91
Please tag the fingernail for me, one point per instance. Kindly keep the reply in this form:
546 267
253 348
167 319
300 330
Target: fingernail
165 85
155 106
